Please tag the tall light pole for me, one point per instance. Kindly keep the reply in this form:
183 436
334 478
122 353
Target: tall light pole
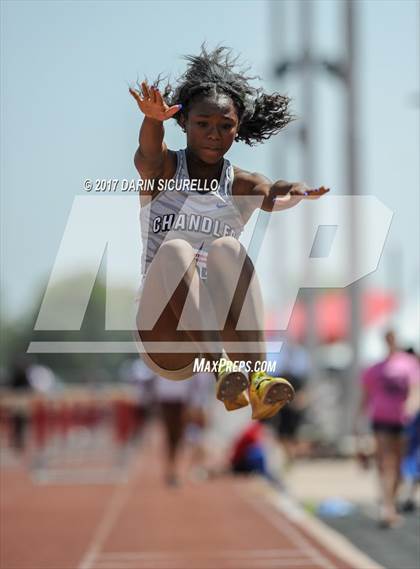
351 390
306 67
308 133
346 71
278 144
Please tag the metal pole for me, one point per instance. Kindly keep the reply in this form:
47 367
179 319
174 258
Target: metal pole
308 106
278 148
352 386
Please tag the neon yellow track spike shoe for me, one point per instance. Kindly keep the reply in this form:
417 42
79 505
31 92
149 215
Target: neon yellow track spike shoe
268 394
231 385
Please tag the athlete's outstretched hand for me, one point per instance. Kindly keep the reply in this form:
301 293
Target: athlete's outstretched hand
288 195
151 103
314 194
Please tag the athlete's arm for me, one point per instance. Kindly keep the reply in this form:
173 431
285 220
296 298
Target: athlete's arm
152 154
275 196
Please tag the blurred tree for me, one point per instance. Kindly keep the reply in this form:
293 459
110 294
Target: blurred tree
15 336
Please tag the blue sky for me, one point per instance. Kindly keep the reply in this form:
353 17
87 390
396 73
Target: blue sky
66 115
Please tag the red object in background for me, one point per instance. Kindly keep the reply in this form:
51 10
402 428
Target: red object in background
253 434
40 422
64 419
332 312
124 421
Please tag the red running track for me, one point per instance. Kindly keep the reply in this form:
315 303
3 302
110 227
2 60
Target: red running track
142 524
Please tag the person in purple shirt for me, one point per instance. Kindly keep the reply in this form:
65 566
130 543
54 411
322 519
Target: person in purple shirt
386 390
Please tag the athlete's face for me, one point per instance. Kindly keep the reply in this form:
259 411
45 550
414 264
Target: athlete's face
211 127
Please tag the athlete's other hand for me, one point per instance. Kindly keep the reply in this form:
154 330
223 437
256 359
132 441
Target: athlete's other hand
287 195
316 193
151 103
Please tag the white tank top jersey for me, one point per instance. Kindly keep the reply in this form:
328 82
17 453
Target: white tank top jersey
198 218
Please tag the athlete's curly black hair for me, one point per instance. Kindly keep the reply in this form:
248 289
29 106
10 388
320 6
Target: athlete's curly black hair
216 72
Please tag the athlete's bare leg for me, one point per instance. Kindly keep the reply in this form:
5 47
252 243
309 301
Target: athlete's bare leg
388 463
231 302
175 263
236 296
234 290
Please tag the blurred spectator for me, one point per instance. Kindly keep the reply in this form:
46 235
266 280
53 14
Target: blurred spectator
182 408
172 397
201 390
19 377
410 468
248 453
20 384
386 389
41 378
292 362
138 374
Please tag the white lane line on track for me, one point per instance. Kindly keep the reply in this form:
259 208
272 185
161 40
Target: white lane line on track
204 563
289 532
327 536
207 553
233 559
330 538
116 504
201 560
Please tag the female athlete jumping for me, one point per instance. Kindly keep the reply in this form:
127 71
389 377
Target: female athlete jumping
200 296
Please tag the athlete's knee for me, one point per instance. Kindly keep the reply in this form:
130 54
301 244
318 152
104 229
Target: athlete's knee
176 249
225 250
